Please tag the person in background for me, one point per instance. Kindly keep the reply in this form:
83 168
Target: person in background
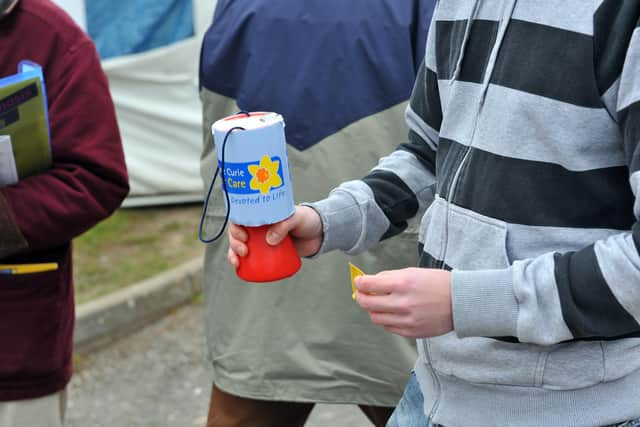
340 73
42 213
525 147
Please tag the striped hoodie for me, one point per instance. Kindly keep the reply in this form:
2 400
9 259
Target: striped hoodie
524 151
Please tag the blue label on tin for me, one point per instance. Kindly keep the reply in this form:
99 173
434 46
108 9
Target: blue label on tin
256 171
253 178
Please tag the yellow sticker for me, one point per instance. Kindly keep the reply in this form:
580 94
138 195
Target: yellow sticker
355 272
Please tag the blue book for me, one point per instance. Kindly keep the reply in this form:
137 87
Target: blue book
25 142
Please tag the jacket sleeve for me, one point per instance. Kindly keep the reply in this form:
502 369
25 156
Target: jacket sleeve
87 180
358 214
593 292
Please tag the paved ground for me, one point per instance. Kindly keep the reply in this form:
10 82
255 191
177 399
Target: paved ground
158 378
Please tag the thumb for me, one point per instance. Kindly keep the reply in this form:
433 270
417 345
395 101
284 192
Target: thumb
278 232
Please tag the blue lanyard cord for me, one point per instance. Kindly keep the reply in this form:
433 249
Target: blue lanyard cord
224 189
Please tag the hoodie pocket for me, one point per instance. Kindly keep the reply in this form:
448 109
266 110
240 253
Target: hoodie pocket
462 238
470 241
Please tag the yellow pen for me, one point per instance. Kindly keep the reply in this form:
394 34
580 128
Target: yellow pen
28 268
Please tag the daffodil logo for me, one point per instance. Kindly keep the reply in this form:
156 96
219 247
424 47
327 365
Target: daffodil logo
265 175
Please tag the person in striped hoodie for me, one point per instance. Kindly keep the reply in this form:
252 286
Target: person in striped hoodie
525 150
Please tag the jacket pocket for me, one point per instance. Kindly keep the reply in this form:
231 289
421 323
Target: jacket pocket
30 324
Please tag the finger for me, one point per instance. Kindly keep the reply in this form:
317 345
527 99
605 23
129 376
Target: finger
389 320
386 272
380 283
238 233
233 258
239 248
279 231
379 303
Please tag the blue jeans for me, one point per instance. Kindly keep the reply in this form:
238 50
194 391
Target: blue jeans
410 410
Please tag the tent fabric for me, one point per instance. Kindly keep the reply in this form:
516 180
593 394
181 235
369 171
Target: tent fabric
159 115
379 69
76 9
137 26
155 91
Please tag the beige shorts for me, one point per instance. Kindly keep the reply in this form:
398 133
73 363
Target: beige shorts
45 411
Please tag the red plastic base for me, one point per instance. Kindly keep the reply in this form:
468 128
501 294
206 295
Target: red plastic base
266 263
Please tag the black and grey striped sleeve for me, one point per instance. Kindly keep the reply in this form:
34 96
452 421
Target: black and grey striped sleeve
599 286
402 183
358 214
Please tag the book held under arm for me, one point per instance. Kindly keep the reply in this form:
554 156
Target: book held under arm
24 125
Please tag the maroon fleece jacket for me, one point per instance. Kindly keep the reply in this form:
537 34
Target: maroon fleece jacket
41 214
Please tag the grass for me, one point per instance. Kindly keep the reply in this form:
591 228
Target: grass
133 245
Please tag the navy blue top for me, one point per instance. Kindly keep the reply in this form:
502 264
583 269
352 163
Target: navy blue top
322 64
